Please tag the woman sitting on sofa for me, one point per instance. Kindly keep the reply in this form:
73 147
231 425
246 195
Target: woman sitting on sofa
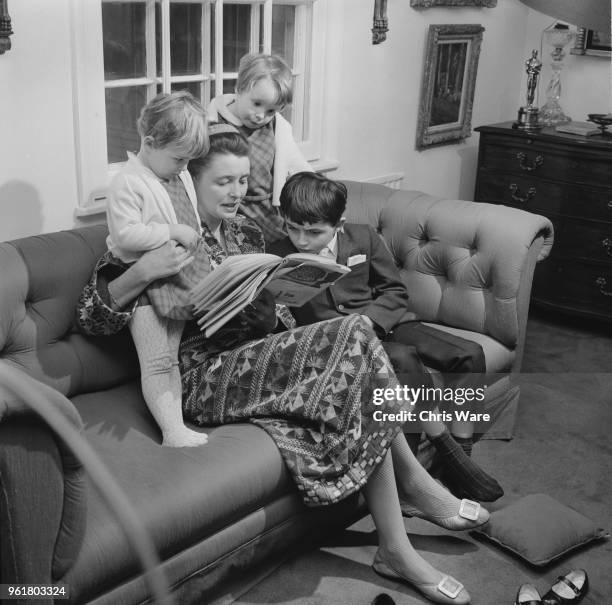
314 389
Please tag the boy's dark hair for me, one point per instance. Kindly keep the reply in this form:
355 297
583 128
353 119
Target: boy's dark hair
309 197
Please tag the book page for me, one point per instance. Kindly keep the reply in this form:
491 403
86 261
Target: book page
227 277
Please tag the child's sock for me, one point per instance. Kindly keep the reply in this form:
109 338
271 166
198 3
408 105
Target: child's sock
414 440
461 474
156 341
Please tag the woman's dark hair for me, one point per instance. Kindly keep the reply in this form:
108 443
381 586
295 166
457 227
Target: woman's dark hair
309 197
227 141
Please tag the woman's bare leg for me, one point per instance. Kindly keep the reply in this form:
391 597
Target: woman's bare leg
383 501
395 552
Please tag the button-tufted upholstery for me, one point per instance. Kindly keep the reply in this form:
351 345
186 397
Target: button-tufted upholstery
464 264
217 511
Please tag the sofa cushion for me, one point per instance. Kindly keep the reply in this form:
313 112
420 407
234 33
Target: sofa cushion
498 357
182 495
40 285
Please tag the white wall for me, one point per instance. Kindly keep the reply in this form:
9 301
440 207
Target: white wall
382 91
37 164
375 102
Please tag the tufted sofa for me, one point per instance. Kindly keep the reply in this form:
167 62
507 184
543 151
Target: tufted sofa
221 515
468 268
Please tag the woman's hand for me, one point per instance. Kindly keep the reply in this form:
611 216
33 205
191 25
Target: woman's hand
164 261
260 315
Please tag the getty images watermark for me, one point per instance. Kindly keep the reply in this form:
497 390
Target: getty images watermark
429 399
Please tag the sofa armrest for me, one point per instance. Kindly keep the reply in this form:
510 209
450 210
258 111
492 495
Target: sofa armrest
62 417
42 488
465 264
469 264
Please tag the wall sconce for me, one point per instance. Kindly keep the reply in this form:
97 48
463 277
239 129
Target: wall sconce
5 27
380 28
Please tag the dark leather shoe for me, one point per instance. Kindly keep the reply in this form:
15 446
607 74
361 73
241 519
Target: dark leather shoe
527 595
569 588
383 599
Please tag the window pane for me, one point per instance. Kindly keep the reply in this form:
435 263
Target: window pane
195 88
283 31
229 85
122 110
236 34
123 25
185 38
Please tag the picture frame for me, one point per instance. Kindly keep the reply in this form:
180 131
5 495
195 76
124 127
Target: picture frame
448 84
594 43
430 3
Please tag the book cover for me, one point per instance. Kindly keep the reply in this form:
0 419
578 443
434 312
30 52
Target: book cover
585 129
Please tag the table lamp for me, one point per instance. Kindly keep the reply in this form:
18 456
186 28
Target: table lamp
558 36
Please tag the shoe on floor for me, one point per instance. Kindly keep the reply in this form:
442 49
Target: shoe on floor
383 599
569 588
528 595
447 591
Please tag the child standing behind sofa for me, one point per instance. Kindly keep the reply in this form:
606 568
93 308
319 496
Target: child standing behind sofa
152 201
263 88
313 207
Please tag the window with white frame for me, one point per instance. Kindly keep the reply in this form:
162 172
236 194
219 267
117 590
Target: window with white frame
152 46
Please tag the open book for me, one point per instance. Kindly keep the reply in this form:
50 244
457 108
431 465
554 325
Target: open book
239 279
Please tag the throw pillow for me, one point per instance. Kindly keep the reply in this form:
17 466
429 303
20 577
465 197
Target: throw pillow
539 529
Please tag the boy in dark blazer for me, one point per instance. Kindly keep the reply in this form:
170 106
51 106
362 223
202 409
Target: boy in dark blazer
313 207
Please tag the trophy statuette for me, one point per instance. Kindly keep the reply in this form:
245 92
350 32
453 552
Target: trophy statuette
529 115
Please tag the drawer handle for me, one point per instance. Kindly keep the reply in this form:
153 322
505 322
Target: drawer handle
537 162
610 204
607 244
516 194
602 283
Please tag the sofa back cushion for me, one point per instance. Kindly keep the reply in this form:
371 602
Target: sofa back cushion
41 279
460 268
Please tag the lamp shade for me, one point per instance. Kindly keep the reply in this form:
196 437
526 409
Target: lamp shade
592 14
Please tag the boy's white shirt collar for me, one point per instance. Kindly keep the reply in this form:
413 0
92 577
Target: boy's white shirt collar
331 250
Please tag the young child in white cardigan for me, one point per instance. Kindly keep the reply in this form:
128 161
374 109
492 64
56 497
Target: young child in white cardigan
263 88
151 201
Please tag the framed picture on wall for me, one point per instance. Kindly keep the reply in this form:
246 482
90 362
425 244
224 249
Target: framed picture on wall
448 84
430 3
590 42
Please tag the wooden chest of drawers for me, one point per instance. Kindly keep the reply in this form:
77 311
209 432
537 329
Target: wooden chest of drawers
567 178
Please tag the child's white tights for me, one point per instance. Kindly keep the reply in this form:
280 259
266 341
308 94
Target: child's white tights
157 342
